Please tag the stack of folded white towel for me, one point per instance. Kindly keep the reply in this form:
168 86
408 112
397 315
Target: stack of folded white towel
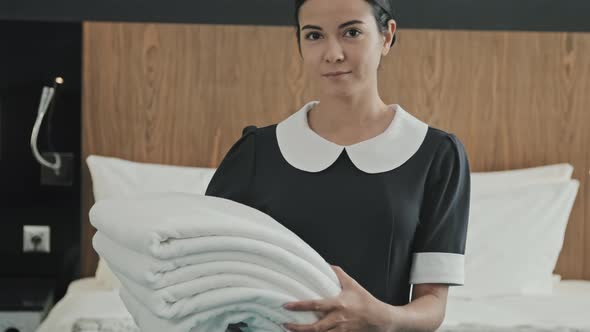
190 262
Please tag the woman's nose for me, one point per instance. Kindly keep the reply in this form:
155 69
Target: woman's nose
334 52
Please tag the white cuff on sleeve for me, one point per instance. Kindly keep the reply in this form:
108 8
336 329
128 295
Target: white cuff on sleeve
438 268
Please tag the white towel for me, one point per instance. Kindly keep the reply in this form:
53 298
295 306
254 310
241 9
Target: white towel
182 299
155 273
168 225
192 262
261 309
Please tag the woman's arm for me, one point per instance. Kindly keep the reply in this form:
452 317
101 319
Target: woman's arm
425 312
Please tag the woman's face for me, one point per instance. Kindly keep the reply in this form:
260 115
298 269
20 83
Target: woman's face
341 36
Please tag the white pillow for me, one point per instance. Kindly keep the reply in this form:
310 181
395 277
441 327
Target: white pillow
514 239
114 177
500 181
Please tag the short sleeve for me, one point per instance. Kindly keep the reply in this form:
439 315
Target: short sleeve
439 242
234 177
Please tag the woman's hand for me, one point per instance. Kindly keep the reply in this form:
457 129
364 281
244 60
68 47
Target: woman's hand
353 310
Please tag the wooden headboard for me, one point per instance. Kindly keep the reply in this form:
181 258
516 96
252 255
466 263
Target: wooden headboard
180 94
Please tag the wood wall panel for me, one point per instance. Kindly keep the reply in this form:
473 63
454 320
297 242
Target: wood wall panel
516 99
180 94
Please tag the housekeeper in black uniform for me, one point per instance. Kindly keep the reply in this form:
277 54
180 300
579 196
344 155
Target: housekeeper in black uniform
378 193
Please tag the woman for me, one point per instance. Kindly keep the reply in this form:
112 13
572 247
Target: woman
378 193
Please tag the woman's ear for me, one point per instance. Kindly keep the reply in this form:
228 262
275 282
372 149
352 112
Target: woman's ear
391 29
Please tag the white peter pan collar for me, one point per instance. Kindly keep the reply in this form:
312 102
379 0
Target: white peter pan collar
304 149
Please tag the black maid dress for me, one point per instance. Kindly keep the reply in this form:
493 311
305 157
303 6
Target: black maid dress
391 211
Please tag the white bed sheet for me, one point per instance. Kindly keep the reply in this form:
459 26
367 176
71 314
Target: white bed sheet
85 298
565 310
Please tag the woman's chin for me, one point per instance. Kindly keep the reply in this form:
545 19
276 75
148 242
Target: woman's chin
342 91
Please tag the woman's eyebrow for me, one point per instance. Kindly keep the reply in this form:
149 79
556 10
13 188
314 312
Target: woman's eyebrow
339 27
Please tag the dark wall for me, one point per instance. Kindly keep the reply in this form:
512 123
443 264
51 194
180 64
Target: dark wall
543 15
32 55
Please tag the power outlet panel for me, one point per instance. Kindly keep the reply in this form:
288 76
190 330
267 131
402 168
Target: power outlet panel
36 238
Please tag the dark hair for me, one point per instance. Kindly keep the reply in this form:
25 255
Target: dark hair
381 11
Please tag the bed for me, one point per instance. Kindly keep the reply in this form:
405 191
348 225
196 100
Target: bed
89 305
534 203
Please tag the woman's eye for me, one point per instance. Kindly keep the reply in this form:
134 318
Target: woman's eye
308 36
356 32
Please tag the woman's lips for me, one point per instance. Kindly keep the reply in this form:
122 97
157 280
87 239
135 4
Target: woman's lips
336 74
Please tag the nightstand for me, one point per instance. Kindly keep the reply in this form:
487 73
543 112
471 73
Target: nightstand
24 303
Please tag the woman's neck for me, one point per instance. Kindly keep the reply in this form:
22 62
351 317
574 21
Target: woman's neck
349 120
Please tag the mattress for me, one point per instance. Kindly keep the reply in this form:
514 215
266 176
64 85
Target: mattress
89 306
